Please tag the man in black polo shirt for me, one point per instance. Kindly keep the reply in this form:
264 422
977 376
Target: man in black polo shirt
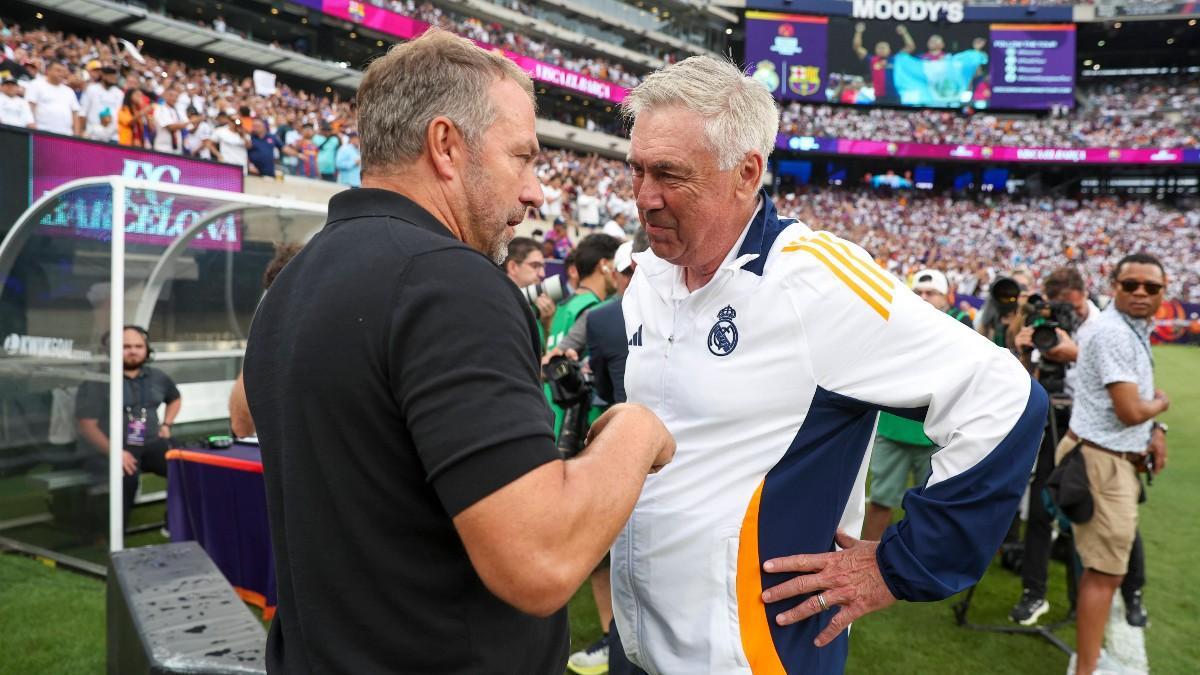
145 440
421 517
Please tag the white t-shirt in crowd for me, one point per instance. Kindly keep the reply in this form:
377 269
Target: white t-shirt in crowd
97 97
55 106
552 208
166 140
15 110
231 145
195 140
589 209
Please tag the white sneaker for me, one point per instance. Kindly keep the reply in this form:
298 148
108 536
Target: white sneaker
592 660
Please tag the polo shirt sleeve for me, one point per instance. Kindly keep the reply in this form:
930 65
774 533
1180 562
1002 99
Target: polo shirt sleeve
876 346
464 371
91 401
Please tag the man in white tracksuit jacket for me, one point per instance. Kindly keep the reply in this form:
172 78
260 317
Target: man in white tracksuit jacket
768 349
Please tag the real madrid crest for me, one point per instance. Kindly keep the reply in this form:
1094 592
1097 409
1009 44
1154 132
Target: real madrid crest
723 337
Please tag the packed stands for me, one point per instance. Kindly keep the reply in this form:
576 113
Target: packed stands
974 241
1158 113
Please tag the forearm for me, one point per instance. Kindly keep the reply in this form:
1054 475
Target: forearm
172 411
240 420
1145 411
535 540
89 430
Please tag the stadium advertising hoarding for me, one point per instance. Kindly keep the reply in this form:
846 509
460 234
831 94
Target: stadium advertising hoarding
398 25
150 218
862 148
946 65
1115 9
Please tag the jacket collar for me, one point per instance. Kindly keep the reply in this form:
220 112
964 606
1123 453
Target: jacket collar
747 253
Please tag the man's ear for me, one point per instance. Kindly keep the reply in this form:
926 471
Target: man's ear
446 147
748 175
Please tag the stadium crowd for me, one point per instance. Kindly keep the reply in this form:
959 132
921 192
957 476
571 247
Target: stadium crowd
123 95
1155 113
976 241
498 35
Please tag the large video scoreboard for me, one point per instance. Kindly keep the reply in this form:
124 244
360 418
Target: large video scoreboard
940 64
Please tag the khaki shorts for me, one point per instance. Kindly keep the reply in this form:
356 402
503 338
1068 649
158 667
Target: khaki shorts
1104 542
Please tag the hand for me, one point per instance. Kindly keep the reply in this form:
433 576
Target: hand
979 43
1066 351
849 578
901 30
1160 395
1158 449
860 27
569 353
1024 339
632 413
164 430
545 307
128 462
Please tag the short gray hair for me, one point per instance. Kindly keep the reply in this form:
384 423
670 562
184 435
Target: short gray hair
436 75
740 116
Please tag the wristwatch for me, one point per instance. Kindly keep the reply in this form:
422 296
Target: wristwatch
1160 425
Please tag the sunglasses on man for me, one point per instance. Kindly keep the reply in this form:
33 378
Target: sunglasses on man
1131 286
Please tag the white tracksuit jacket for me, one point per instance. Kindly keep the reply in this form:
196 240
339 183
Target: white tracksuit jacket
770 377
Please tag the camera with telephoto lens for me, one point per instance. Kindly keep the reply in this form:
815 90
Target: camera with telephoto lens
1046 318
570 389
551 287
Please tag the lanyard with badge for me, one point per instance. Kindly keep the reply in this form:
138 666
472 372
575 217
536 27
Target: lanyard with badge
135 418
1143 342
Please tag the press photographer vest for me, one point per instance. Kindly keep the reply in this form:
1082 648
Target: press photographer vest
566 316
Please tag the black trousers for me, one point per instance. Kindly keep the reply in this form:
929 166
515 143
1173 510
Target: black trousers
151 457
618 663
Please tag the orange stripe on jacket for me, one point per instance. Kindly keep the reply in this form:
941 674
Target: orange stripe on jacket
752 612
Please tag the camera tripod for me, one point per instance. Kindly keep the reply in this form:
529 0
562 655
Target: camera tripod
1046 632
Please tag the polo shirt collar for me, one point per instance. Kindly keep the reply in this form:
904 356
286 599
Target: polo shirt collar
379 203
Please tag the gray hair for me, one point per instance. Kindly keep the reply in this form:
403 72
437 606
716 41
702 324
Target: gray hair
740 116
436 75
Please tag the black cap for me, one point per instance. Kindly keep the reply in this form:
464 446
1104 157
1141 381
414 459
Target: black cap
108 70
9 80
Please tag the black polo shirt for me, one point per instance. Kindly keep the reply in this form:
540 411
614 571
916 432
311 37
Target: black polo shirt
392 373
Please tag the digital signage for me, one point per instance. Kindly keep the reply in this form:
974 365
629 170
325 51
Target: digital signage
923 64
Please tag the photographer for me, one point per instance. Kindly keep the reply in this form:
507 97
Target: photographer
1066 299
1112 425
597 281
997 315
526 266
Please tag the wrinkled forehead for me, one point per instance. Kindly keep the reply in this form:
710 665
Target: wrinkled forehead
669 136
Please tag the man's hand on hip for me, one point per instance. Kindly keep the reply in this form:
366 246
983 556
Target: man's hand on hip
849 578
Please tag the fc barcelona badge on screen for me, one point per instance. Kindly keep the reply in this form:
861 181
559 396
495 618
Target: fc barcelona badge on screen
723 338
804 80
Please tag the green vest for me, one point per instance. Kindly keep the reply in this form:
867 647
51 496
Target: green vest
567 314
902 430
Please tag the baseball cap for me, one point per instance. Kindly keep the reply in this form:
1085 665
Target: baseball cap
623 259
9 80
93 64
931 280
